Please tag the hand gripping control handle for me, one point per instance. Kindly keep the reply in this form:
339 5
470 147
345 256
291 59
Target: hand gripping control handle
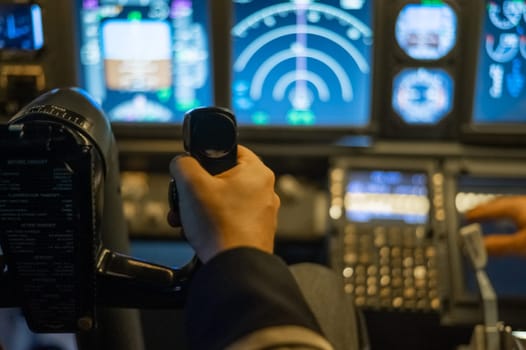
210 136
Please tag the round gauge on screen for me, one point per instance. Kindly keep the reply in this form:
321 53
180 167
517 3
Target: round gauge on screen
426 31
422 96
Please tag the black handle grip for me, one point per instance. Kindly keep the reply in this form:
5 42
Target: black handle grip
210 136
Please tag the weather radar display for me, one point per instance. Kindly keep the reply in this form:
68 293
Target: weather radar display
302 63
426 31
500 96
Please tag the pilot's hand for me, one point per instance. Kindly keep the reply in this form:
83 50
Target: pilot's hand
514 208
235 208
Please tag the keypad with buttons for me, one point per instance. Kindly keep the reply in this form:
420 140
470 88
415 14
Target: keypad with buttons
391 267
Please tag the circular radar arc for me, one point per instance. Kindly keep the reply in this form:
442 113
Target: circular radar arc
264 70
270 36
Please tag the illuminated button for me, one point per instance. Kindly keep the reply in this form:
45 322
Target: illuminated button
348 272
435 304
372 270
380 241
349 288
371 290
350 258
337 174
420 272
420 283
431 252
438 179
438 200
384 252
408 262
398 302
359 301
409 293
420 232
336 188
385 280
395 252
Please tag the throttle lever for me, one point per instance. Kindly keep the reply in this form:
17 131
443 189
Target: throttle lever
210 136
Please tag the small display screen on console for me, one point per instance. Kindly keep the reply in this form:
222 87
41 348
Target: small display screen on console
426 31
387 195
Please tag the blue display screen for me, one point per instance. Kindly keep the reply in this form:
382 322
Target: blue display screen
422 96
147 60
426 31
21 27
302 62
387 195
500 96
507 274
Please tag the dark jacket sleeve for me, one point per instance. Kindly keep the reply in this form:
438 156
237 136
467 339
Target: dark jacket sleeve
240 291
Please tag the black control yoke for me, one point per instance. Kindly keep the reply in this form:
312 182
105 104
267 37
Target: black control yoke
62 230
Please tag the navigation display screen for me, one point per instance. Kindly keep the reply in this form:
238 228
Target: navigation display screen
146 60
387 195
500 97
302 63
426 31
21 27
507 274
